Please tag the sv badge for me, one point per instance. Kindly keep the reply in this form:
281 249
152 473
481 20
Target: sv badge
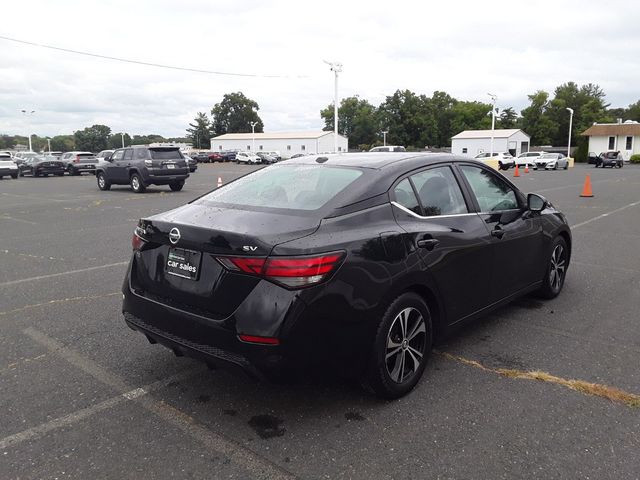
249 248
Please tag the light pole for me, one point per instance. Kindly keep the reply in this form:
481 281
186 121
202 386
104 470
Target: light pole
122 138
493 117
336 68
49 143
384 137
570 125
27 113
253 135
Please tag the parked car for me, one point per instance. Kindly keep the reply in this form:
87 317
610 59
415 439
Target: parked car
104 155
527 158
608 159
8 167
141 166
298 155
54 153
216 157
505 160
77 162
239 276
266 158
203 157
551 161
41 165
20 157
247 157
228 155
192 163
389 148
275 154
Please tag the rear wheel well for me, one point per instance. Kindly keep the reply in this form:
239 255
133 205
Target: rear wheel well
435 309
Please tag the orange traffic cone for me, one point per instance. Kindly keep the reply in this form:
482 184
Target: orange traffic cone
526 168
219 182
517 172
586 190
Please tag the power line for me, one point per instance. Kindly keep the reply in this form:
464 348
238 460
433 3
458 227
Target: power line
148 64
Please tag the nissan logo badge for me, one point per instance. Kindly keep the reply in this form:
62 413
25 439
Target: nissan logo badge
174 235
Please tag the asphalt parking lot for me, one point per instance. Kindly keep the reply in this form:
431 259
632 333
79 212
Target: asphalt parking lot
84 397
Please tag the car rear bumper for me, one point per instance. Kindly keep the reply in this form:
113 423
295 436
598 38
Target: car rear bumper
165 179
8 171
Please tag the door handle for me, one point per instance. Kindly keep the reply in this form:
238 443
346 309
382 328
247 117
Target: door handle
428 243
497 232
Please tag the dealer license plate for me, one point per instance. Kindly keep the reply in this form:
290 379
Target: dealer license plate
183 263
171 165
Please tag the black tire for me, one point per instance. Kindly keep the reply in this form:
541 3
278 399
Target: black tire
20 173
556 271
59 174
103 183
35 174
14 176
72 171
136 183
566 166
386 374
176 186
555 167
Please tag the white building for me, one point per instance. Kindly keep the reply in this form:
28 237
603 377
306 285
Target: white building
624 137
287 143
473 142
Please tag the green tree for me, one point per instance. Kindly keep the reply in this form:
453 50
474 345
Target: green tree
199 131
442 105
63 143
508 118
470 116
115 140
234 114
535 120
409 119
357 120
92 139
633 112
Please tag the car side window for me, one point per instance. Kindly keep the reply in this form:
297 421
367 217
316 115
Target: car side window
406 197
493 193
439 192
128 154
117 155
141 154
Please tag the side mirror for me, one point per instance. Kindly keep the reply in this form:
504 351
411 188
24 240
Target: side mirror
536 203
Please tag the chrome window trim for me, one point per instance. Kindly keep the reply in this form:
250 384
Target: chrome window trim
410 212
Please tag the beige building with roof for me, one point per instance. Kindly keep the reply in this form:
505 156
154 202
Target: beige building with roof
287 143
622 137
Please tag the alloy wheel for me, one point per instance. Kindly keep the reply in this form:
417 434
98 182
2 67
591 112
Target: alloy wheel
557 267
406 343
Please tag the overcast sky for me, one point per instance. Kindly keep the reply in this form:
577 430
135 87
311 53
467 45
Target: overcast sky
465 48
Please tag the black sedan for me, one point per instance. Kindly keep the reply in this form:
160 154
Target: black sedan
351 264
42 166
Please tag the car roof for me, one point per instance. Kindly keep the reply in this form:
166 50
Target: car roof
376 160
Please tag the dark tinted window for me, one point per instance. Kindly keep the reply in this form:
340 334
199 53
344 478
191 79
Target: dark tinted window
406 197
86 155
118 154
295 187
493 193
439 192
140 154
165 154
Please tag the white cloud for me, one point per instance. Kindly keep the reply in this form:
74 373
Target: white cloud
465 48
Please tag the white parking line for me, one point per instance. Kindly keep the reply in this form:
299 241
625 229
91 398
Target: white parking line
53 275
244 457
586 222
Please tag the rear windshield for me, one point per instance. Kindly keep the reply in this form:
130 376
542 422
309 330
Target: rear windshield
86 155
294 187
165 154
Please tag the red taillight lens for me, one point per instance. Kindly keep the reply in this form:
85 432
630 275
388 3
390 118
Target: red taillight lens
260 340
137 242
77 159
291 272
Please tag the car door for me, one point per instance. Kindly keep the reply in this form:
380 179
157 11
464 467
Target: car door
516 234
452 241
117 171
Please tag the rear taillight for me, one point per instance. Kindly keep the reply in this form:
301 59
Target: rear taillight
77 159
290 272
259 340
137 242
